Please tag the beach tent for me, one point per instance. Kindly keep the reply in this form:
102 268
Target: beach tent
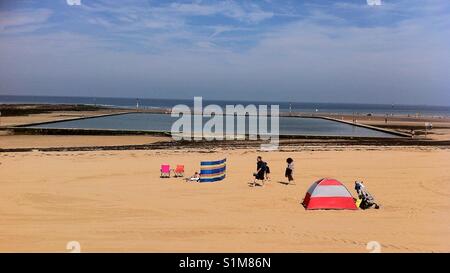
328 194
213 171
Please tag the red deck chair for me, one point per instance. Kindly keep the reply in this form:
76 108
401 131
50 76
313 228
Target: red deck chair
179 171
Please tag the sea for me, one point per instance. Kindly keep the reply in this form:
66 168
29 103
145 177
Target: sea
302 107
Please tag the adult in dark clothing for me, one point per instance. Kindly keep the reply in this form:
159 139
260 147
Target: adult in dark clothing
260 170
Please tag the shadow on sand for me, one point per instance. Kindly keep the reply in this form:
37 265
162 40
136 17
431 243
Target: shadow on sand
251 184
285 183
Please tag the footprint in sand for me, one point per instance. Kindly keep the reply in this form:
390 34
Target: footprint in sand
422 185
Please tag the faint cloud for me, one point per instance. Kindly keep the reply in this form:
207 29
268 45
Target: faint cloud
259 16
374 2
251 13
100 21
23 21
195 9
73 2
217 30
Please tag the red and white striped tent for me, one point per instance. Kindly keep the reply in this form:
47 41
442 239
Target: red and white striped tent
328 194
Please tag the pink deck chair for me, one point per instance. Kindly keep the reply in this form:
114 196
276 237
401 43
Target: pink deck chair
179 171
165 171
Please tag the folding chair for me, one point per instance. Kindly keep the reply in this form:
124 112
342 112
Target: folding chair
165 171
179 171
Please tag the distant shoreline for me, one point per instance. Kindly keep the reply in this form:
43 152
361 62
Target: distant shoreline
93 99
19 109
285 106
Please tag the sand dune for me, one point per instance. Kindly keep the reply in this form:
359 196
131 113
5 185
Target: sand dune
115 201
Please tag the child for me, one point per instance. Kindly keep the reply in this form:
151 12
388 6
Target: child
289 170
194 178
267 172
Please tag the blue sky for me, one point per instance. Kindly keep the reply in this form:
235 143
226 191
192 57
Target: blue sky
321 51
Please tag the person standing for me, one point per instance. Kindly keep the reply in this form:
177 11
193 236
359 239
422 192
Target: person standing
260 170
289 174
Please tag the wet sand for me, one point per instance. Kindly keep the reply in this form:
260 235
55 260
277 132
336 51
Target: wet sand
61 141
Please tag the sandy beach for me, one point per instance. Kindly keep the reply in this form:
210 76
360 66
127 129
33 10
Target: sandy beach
115 201
21 114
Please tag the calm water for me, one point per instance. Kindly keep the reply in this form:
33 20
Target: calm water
338 108
161 122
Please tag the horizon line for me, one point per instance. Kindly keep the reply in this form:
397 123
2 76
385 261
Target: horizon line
224 100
